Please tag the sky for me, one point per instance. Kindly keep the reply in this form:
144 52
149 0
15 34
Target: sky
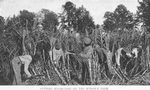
97 8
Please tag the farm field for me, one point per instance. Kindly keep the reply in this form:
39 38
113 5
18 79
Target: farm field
70 48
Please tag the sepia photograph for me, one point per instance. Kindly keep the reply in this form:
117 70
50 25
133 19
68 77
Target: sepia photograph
75 42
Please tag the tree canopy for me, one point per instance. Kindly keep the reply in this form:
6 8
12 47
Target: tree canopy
144 13
120 19
50 20
77 18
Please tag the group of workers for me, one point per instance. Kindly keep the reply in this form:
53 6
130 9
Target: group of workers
57 52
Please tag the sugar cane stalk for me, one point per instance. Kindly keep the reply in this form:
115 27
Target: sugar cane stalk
148 57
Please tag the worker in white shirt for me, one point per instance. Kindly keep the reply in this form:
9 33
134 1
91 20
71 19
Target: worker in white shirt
57 52
16 64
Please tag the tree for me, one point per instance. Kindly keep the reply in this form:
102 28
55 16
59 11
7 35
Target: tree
144 13
50 20
77 18
124 17
109 23
69 12
85 21
120 19
26 19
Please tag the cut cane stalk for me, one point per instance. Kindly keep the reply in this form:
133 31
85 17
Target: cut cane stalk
90 69
44 67
148 60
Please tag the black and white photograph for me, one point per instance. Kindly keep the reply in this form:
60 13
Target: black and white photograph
75 42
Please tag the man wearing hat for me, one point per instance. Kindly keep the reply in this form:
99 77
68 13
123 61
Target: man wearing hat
87 52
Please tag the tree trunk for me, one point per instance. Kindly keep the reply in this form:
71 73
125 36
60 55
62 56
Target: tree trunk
68 69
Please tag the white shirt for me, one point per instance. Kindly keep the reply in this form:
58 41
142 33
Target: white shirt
26 60
118 54
135 51
56 54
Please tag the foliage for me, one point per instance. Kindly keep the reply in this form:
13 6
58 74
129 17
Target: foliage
144 13
77 18
50 20
26 19
120 19
85 21
109 23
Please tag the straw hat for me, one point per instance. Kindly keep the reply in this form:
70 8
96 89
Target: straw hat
87 40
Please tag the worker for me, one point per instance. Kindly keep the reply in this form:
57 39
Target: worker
88 49
56 53
87 54
16 64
